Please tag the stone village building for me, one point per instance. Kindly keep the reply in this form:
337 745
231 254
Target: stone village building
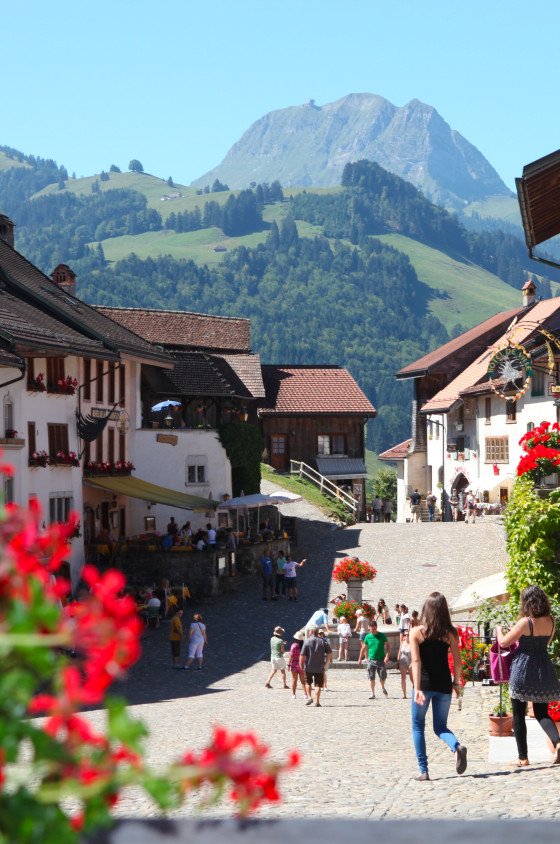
464 434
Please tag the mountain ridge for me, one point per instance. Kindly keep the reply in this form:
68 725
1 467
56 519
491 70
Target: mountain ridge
308 145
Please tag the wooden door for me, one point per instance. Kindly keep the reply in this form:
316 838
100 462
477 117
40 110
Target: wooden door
279 452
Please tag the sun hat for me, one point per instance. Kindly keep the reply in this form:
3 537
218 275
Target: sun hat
299 635
279 630
342 618
359 612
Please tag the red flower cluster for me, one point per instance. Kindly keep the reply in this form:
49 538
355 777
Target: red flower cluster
348 610
120 467
542 451
67 385
351 568
241 759
554 710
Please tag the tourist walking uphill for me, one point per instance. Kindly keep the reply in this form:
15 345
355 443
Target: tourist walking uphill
430 644
277 661
532 676
315 654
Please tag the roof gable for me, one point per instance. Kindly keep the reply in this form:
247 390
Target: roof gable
313 390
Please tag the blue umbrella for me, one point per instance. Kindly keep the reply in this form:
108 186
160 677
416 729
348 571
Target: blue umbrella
167 403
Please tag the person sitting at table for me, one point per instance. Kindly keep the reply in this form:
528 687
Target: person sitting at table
187 533
201 540
167 542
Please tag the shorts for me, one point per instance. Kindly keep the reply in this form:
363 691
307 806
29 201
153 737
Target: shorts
291 582
195 649
376 666
175 647
404 664
317 678
278 662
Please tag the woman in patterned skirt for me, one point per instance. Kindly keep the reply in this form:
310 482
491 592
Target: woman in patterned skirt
532 676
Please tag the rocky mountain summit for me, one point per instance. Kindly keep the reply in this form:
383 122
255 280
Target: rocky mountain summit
308 145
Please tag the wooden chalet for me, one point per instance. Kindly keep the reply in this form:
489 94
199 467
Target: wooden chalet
317 415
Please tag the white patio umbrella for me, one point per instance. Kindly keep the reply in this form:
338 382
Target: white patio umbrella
167 403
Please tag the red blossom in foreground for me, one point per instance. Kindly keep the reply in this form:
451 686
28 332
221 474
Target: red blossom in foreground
241 759
542 451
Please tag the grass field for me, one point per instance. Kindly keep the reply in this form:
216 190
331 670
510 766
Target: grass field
6 163
498 207
470 294
373 463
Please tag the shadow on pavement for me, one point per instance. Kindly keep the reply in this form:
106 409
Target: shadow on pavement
239 624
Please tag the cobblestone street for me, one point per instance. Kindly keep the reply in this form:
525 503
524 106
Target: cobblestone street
357 754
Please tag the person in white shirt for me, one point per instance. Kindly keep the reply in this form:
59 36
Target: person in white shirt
344 634
290 577
404 623
211 534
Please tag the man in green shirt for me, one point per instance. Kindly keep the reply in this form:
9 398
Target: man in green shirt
377 647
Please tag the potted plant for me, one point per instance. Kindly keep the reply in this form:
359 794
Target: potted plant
501 718
351 568
348 610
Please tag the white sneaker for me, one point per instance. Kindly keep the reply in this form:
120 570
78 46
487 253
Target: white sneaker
293 697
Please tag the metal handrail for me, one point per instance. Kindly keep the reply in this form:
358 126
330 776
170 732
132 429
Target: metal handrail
298 467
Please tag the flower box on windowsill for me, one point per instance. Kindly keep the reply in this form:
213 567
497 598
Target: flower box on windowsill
12 441
64 461
120 468
39 461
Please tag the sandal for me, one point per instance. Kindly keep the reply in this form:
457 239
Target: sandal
521 763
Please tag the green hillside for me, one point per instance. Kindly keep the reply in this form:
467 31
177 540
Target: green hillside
467 294
6 163
496 207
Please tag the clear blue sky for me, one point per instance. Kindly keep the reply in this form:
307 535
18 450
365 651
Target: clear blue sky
175 83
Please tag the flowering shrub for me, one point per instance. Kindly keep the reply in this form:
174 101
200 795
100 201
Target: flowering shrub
351 568
542 451
11 433
554 710
66 385
348 610
70 459
44 763
472 650
39 458
120 467
38 383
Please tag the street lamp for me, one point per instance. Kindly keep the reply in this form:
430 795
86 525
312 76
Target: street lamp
443 501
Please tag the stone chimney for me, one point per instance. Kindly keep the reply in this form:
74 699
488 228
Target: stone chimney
529 293
64 278
7 230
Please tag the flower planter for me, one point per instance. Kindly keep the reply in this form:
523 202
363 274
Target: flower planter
501 725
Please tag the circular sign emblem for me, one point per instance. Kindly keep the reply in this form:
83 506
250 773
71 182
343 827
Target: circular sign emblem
510 372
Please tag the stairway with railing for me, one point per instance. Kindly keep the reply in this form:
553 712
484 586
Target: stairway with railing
327 487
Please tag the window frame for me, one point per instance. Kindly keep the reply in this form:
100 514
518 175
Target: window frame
496 449
57 434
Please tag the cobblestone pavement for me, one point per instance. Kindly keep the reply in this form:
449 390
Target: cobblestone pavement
357 755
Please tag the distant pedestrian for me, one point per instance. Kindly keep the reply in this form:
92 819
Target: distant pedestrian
231 541
312 660
431 504
323 638
376 645
430 645
404 662
172 527
414 620
267 577
211 533
277 657
387 510
397 614
280 582
383 616
290 577
533 676
454 504
362 625
197 640
404 624
175 637
376 509
471 509
294 666
415 499
344 635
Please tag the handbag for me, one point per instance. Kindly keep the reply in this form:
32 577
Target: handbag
500 661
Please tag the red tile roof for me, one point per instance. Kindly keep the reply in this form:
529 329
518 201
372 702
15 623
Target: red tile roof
181 328
396 452
438 357
313 390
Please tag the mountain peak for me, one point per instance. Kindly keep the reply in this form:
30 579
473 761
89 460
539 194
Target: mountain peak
309 145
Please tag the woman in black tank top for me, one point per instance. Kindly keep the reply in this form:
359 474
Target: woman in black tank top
430 644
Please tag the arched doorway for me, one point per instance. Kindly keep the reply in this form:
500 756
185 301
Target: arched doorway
460 484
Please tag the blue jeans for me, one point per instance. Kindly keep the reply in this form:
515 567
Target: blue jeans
440 710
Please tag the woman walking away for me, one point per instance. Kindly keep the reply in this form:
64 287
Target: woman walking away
404 660
175 636
293 664
277 662
532 676
197 640
344 633
429 644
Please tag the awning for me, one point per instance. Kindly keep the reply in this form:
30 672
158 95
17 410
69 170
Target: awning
137 488
470 598
341 467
